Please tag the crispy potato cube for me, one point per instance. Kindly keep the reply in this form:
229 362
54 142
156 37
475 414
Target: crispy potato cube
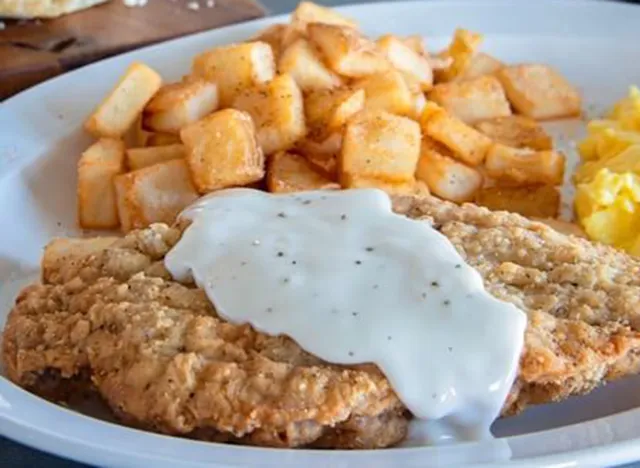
155 194
472 100
61 251
407 60
235 67
416 43
413 187
525 166
347 52
121 107
97 167
379 145
162 139
304 64
516 131
467 144
222 151
288 172
539 92
272 35
387 91
323 155
329 110
460 52
446 177
481 64
563 227
179 104
137 158
541 201
309 12
277 109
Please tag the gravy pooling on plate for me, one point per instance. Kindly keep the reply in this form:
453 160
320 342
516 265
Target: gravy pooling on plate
352 282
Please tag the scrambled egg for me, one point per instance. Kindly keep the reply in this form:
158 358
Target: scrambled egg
608 182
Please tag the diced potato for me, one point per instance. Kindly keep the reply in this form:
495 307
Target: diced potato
323 155
416 43
155 194
419 103
461 51
481 64
304 64
467 144
516 131
525 166
446 177
97 167
67 251
277 109
235 67
541 201
472 100
407 60
379 145
137 158
309 12
222 151
329 110
138 136
346 51
413 187
272 35
563 227
162 139
288 172
387 91
539 92
121 107
179 104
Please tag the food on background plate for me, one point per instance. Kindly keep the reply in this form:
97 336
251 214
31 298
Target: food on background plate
43 8
607 197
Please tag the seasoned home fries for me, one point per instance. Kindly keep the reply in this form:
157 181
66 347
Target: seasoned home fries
317 104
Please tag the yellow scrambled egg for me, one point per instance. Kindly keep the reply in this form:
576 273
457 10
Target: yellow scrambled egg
608 182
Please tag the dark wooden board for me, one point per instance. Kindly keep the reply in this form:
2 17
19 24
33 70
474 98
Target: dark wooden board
33 51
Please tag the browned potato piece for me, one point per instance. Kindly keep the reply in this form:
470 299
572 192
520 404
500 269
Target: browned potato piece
309 12
419 103
387 91
347 51
541 201
323 155
539 92
329 110
121 107
461 51
467 144
155 194
277 109
179 104
304 64
137 158
525 166
416 43
413 187
411 63
563 227
235 67
223 151
481 64
379 145
446 177
472 100
288 172
516 131
272 35
97 167
162 139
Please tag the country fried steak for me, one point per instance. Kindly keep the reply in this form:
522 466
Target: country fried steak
112 321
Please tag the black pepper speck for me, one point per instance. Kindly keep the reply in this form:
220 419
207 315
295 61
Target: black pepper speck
282 215
447 302
358 262
350 353
369 249
355 314
280 254
269 309
434 284
458 266
343 217
306 202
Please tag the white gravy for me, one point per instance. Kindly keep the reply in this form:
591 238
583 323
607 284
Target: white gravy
352 282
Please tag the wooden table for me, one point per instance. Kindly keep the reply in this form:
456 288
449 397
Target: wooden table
32 51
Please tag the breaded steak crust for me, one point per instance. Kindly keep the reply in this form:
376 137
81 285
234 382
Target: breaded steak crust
116 323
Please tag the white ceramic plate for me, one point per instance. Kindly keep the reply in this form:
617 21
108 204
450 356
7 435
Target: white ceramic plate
595 44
